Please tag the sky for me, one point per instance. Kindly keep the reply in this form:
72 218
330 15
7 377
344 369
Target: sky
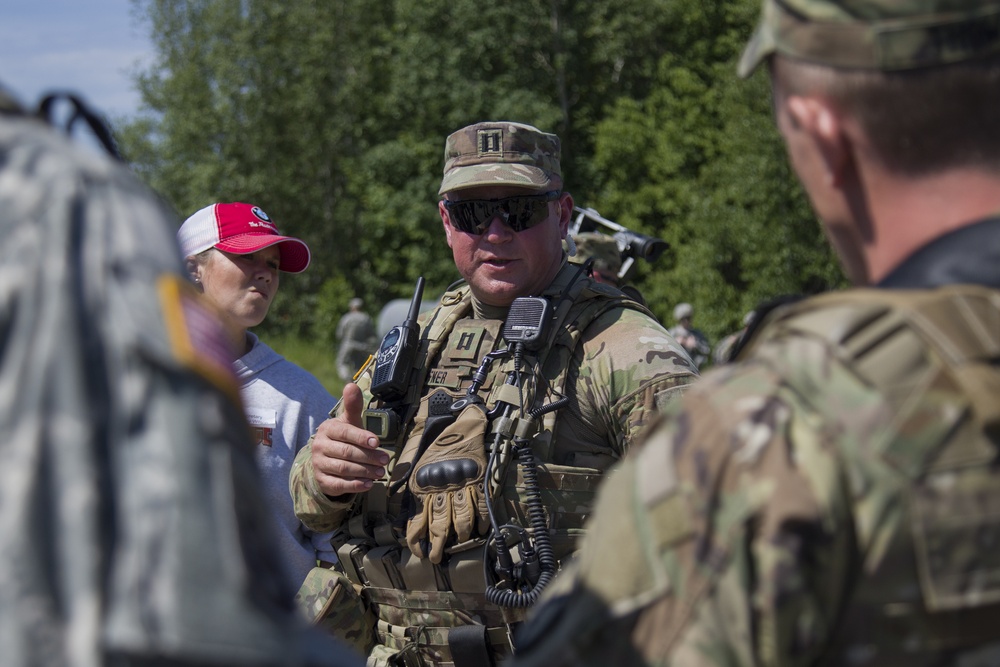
84 46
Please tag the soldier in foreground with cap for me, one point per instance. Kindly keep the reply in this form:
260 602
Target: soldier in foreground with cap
134 532
834 496
513 409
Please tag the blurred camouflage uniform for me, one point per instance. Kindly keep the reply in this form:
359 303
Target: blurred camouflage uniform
356 333
616 365
603 249
607 264
724 349
125 446
834 497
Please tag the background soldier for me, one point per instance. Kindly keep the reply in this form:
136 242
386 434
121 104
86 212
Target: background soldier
690 338
833 497
356 333
133 530
509 415
603 248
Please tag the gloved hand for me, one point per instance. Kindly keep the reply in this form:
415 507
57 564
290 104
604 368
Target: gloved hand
447 484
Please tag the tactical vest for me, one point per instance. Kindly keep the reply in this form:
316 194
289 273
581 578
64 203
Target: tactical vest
927 503
416 601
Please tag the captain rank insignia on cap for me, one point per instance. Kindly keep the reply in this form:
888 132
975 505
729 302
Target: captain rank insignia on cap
491 141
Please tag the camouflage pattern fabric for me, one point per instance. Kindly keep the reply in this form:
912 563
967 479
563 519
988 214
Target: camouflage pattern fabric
505 153
874 34
603 248
334 604
133 532
724 348
620 374
828 500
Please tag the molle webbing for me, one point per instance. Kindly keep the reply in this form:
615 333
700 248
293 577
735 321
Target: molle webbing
583 302
417 601
454 306
434 640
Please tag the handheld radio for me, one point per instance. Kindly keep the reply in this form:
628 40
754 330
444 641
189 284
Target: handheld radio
395 357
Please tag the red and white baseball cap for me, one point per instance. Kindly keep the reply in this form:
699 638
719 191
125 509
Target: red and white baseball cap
240 229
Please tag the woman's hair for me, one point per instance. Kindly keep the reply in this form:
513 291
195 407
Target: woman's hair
918 121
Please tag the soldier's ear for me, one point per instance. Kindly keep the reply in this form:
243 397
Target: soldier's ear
565 212
445 221
820 120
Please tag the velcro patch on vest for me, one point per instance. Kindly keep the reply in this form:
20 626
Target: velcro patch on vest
470 340
449 378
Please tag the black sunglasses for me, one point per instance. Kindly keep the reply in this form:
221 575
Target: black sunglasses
473 216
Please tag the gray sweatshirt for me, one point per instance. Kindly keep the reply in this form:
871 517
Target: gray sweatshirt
284 404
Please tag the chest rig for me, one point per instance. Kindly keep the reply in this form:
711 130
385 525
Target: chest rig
491 576
926 485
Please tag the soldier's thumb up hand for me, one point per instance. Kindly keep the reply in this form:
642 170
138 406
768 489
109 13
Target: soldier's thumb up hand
346 458
352 403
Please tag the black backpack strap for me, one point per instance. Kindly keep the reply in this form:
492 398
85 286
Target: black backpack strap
81 111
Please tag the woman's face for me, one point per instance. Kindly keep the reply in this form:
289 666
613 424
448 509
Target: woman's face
242 287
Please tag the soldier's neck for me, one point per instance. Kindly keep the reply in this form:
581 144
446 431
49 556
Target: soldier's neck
484 311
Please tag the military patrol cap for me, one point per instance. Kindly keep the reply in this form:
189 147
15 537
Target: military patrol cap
602 247
875 34
501 153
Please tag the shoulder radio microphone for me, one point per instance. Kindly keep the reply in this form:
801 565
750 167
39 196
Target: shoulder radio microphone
527 322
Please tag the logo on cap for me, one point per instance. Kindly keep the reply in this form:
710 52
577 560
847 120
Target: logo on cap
490 141
259 214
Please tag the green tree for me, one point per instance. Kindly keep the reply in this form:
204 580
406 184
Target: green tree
332 116
698 163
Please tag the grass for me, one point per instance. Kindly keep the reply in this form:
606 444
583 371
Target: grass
318 359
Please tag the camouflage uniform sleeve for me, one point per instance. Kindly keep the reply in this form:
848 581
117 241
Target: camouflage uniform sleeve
625 380
316 510
693 557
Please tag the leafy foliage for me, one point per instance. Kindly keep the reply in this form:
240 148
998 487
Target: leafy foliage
332 117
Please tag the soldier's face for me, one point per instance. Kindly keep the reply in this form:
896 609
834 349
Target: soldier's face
500 264
242 287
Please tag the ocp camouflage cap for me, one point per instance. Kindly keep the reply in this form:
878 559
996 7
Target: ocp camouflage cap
875 34
501 153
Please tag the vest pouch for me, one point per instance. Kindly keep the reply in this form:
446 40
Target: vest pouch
331 602
382 567
567 493
384 656
955 534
